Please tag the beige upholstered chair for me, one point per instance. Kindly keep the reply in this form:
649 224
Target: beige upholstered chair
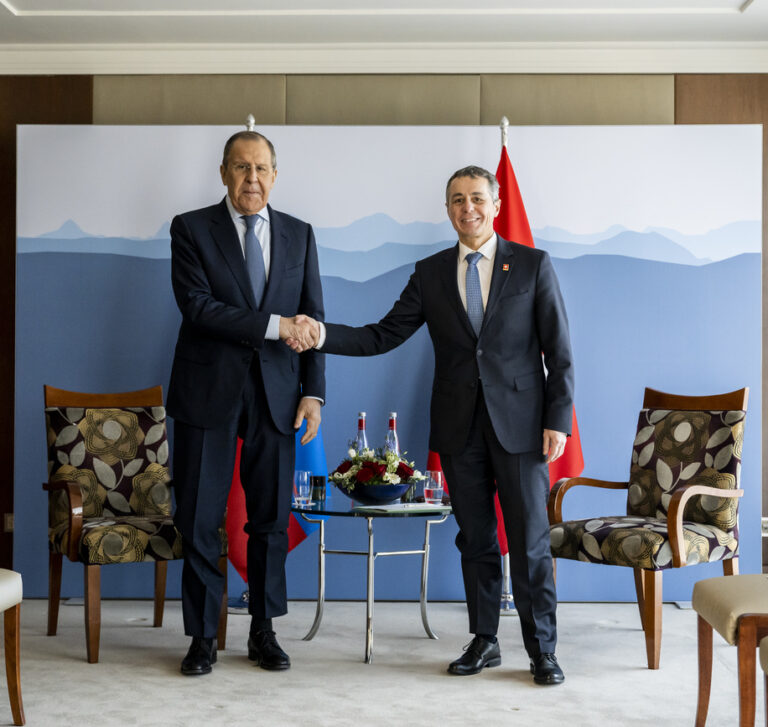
737 608
10 605
682 506
109 496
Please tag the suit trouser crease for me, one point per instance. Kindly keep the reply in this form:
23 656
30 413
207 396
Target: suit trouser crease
203 467
523 484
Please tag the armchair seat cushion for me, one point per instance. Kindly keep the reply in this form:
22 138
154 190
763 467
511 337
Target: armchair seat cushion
128 539
637 542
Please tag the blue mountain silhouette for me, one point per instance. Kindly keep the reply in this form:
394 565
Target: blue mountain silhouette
374 230
70 230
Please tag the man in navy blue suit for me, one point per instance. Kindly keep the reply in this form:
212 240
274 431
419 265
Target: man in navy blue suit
240 271
498 416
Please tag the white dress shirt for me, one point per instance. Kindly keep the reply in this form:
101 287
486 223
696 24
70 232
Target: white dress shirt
263 230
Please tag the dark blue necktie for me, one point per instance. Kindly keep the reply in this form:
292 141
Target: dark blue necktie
474 292
254 258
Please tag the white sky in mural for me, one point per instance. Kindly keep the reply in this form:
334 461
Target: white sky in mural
583 179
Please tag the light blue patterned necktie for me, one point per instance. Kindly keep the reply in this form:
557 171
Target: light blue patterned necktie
254 258
474 292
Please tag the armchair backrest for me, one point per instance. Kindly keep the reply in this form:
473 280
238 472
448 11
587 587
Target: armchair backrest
685 441
114 446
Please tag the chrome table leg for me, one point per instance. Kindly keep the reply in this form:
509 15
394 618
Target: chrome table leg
320 578
425 573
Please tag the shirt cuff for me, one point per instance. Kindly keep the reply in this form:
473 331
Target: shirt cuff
273 328
317 398
321 338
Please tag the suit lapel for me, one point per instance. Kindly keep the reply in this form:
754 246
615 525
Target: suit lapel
277 250
505 256
225 235
449 277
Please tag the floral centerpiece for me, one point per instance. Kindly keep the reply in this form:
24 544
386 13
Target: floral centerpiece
375 477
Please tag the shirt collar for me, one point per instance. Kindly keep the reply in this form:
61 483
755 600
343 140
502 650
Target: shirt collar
237 217
487 249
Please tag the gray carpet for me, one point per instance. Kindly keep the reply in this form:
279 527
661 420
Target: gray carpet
137 680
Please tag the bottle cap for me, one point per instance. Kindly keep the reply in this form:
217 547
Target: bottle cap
361 414
393 415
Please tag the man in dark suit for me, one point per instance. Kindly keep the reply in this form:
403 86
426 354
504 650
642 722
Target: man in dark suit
498 417
239 269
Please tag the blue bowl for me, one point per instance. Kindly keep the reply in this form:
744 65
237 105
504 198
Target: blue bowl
376 494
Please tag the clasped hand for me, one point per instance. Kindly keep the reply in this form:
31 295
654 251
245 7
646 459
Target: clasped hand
300 332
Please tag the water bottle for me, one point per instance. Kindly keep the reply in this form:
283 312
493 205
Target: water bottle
361 441
391 443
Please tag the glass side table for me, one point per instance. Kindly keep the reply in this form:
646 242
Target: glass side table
338 505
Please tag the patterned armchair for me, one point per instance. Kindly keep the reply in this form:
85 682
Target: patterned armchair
109 498
682 505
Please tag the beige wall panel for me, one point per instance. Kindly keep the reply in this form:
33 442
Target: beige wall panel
389 100
577 99
188 99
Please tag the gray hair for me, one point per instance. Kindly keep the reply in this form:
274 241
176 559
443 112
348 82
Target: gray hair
248 136
476 173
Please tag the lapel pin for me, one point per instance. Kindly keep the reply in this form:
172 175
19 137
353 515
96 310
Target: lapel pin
505 267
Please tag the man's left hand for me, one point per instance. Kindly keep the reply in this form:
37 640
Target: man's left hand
553 444
308 409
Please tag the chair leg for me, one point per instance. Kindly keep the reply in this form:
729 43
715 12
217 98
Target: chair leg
651 615
12 620
731 567
765 693
640 590
705 670
161 574
54 591
746 644
221 632
92 611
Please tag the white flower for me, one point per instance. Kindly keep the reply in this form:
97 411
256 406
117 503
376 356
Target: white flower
351 453
417 475
391 478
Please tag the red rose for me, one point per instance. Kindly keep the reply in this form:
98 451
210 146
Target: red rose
364 474
404 471
376 468
344 467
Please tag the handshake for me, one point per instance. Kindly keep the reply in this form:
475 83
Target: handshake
300 332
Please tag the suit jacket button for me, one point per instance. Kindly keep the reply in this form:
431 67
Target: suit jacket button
479 351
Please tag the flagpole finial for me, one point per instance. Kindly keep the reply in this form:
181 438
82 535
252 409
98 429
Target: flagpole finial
504 125
250 122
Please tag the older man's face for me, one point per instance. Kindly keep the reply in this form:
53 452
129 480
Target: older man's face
472 209
249 175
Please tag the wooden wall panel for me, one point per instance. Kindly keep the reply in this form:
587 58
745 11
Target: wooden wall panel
391 100
193 99
23 100
577 99
735 99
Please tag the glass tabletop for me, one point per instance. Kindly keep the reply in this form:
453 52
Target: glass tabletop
337 503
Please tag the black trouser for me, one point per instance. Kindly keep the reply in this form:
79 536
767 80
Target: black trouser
203 463
523 485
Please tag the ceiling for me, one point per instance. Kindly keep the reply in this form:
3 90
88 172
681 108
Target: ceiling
418 35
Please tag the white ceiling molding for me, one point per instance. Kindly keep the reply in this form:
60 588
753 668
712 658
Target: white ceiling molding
24 59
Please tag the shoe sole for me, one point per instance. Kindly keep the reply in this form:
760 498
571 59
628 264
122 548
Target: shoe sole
256 659
196 672
489 663
548 681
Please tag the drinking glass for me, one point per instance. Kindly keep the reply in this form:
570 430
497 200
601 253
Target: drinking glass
433 487
301 487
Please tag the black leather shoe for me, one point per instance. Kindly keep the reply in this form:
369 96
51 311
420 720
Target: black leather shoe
266 652
546 670
478 654
200 657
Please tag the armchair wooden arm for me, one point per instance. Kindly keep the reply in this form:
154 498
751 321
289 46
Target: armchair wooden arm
675 516
75 498
556 495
